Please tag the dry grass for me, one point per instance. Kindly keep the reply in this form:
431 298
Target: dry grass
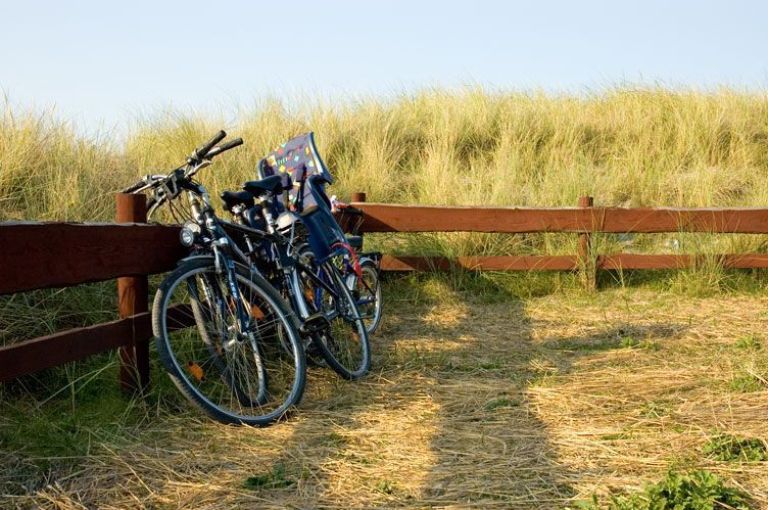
626 147
521 404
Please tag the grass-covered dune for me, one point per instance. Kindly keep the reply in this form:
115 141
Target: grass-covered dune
488 390
624 147
647 147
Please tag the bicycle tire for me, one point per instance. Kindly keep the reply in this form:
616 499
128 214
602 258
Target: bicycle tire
191 380
372 290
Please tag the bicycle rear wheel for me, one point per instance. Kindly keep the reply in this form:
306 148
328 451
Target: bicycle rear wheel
367 293
252 376
343 343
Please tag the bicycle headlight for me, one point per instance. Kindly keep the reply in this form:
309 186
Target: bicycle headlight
189 233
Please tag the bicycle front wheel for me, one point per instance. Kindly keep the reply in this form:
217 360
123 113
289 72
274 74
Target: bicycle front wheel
237 373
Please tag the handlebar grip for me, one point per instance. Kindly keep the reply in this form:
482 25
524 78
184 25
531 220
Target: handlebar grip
205 149
231 144
221 148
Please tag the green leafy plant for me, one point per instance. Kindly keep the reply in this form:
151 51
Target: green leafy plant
729 448
699 490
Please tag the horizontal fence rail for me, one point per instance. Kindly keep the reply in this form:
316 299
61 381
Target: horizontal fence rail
584 220
498 263
416 218
46 255
572 262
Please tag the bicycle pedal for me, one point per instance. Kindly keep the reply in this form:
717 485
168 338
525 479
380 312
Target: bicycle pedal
315 323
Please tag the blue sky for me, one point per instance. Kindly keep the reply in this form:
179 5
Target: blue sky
102 64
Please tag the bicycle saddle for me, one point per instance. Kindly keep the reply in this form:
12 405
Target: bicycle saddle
233 198
271 185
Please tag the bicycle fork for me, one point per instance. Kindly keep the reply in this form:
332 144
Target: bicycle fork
244 325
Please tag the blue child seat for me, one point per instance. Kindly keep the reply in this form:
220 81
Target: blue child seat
305 176
297 160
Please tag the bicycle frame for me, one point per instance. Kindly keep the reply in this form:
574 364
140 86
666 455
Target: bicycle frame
289 265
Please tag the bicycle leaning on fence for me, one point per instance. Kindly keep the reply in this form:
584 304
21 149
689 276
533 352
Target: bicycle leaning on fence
305 177
308 278
225 335
334 291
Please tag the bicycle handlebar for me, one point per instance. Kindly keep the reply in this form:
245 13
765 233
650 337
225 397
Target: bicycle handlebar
200 158
131 189
221 148
203 151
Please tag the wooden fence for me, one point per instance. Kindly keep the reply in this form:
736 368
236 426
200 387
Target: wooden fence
583 220
46 255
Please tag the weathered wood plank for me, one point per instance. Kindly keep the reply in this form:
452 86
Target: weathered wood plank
747 261
681 261
53 350
71 345
569 262
409 218
641 261
45 255
501 263
132 298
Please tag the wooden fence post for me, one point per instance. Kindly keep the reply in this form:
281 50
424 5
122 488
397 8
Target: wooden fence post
587 263
132 298
358 197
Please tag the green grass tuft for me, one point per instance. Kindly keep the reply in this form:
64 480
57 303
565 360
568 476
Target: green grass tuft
501 403
275 479
386 487
746 383
750 342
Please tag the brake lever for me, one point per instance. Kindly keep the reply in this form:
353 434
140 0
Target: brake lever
197 167
153 205
169 189
150 182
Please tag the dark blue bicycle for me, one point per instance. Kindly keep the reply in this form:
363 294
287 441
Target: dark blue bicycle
285 225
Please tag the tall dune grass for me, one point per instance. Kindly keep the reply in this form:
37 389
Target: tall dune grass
625 147
645 147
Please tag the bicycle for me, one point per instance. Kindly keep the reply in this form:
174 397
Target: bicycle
307 277
227 339
366 287
305 176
